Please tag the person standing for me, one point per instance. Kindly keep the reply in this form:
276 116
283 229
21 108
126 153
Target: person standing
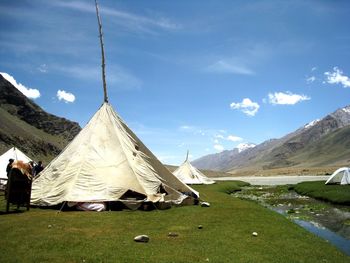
38 168
9 166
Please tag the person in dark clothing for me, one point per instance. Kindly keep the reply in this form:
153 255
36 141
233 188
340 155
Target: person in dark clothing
38 168
9 166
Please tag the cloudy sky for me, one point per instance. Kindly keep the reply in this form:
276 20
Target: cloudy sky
198 75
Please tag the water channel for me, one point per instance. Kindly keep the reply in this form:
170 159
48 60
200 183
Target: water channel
328 221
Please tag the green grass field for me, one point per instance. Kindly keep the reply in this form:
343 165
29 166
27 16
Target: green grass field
338 194
46 236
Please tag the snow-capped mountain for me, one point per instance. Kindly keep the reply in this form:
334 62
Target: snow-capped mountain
244 146
310 124
321 142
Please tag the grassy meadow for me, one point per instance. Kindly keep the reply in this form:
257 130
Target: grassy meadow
322 170
338 194
43 235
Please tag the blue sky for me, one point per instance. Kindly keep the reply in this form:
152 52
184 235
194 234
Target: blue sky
198 75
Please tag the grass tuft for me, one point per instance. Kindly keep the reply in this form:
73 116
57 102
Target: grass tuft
231 187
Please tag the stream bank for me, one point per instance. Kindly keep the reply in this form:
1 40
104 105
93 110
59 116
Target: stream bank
329 221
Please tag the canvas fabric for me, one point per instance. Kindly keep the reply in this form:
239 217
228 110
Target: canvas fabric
12 153
102 163
341 176
191 175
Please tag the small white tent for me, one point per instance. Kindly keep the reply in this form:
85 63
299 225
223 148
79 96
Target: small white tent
15 154
340 176
190 175
106 162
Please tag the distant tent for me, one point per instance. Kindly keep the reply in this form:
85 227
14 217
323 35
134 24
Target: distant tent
15 154
340 176
190 175
107 162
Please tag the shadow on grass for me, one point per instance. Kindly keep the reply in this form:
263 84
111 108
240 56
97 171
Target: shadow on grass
12 212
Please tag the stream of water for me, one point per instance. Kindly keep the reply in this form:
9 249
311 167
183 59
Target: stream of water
331 222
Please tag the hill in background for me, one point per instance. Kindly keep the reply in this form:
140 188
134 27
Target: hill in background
28 127
318 147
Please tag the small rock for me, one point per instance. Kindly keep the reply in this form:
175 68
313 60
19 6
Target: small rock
49 226
200 226
254 234
205 204
172 234
141 238
291 211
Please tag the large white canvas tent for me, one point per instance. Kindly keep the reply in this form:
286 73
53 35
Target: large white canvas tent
15 154
340 176
106 162
191 175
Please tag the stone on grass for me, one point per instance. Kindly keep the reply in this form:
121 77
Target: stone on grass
205 204
173 234
141 238
200 226
254 234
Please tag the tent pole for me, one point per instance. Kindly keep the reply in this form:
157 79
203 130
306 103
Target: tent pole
187 155
102 53
61 207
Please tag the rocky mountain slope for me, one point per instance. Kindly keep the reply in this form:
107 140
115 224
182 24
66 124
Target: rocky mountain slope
28 127
217 161
322 142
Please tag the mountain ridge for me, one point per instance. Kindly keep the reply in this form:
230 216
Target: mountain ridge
286 151
27 126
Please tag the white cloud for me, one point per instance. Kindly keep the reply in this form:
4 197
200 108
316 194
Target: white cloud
219 147
43 68
313 69
116 75
337 77
65 96
216 141
186 128
286 98
125 19
247 106
234 138
28 92
222 66
310 79
219 136
193 129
